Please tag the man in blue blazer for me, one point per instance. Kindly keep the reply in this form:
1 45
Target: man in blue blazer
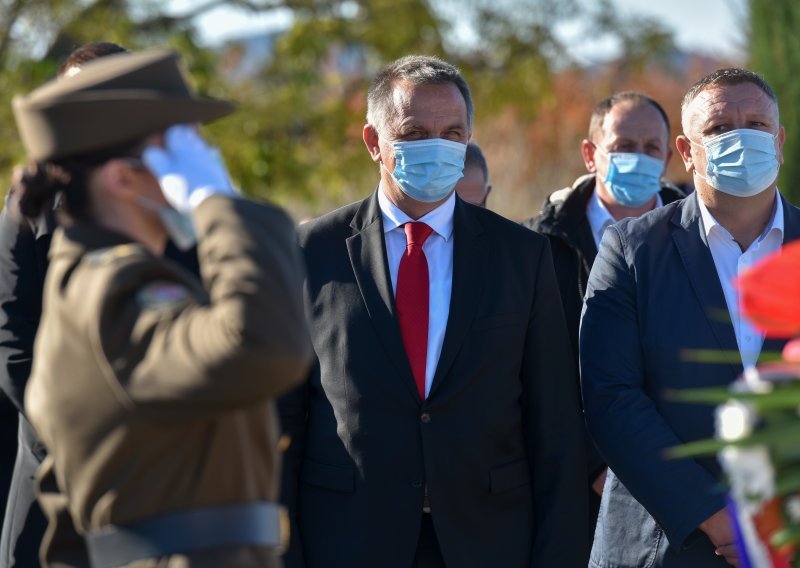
659 293
453 443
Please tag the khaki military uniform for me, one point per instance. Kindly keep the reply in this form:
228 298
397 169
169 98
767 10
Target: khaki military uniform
153 392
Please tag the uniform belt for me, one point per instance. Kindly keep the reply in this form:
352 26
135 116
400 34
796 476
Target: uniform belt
259 524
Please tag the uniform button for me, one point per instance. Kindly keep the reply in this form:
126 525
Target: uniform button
416 484
425 417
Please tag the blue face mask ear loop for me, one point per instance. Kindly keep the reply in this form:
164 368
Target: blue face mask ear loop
696 171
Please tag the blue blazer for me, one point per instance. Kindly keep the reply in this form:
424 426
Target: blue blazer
653 301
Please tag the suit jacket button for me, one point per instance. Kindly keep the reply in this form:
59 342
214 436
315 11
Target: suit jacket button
416 484
425 417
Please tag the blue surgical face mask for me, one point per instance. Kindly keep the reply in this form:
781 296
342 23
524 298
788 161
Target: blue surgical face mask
741 162
633 179
179 226
428 170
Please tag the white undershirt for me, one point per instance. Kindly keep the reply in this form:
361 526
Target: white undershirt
600 218
438 249
730 261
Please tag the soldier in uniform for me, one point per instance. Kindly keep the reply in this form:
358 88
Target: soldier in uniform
152 390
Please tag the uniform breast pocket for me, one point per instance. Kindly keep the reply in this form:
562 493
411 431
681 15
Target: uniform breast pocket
325 476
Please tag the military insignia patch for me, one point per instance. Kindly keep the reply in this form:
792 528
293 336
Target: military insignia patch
110 254
162 295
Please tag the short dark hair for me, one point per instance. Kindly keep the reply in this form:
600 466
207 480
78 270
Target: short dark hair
418 70
41 183
89 52
475 157
604 107
727 77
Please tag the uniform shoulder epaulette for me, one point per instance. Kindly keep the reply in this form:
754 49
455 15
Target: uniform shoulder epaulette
108 255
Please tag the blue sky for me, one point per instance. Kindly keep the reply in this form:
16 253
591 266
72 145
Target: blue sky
714 27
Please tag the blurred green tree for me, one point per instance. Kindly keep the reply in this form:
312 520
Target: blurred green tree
297 139
36 36
775 53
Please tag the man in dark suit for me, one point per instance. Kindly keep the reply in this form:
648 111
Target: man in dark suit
659 293
440 426
23 261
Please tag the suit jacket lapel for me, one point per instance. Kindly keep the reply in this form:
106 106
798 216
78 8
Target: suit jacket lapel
690 239
470 258
367 250
791 231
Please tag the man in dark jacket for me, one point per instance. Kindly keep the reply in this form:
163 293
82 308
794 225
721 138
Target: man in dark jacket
458 442
626 153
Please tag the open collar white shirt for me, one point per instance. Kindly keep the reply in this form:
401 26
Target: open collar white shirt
438 249
600 217
730 262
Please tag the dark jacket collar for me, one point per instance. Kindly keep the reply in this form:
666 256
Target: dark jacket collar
696 256
368 212
564 214
367 253
82 238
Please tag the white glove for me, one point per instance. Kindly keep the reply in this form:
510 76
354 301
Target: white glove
187 169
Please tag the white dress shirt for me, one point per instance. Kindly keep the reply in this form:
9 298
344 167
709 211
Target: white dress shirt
600 218
730 261
438 249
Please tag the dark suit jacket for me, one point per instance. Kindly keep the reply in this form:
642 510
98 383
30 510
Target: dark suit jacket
497 443
23 264
654 299
564 222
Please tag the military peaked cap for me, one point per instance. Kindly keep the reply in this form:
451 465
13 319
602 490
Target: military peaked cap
111 101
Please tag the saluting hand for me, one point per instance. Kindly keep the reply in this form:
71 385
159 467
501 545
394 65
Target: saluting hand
187 168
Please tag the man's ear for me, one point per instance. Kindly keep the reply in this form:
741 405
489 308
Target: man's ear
780 141
684 147
371 140
587 151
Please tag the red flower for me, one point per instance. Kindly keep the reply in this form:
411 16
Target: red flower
770 292
791 351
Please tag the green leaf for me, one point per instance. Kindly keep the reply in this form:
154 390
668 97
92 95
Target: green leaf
698 448
787 481
786 535
781 397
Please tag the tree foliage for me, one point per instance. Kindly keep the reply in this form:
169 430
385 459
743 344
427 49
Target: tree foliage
298 136
775 53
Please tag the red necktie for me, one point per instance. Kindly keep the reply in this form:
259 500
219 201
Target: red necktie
412 298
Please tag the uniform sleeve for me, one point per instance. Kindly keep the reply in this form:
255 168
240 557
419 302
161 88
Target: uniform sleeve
623 420
23 261
554 428
248 342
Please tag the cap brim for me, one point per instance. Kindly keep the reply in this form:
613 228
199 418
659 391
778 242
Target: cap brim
107 119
